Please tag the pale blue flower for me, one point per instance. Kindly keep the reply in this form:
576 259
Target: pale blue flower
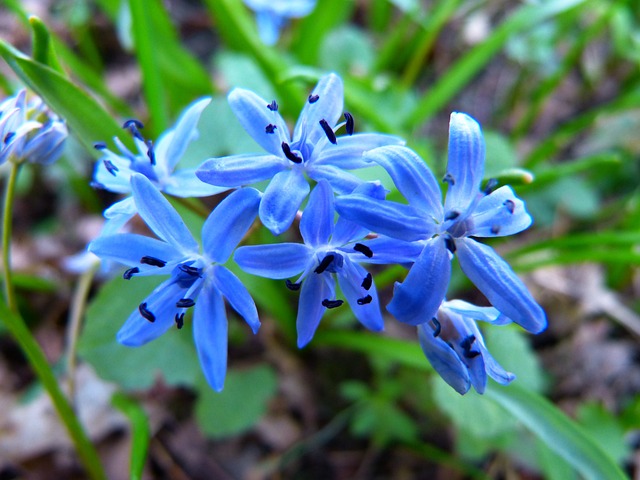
454 346
196 279
329 252
29 131
157 162
443 231
314 150
272 15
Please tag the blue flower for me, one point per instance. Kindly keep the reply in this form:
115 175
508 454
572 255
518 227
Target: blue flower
314 150
442 231
272 15
329 251
195 279
157 162
29 131
453 344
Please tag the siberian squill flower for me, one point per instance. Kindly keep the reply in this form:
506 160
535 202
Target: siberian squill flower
29 131
196 279
272 15
447 230
329 252
314 150
454 346
157 162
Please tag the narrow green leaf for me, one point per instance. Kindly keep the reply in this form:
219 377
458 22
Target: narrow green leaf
140 432
561 434
43 51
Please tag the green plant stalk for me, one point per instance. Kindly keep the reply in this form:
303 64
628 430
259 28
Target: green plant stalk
9 194
140 432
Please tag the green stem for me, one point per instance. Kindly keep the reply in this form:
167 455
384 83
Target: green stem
9 292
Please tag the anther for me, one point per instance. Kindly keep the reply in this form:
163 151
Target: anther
151 152
273 106
510 204
331 303
133 126
313 98
451 215
193 271
365 300
100 145
271 128
8 137
491 185
366 251
111 168
328 131
185 303
324 264
471 353
350 124
467 342
153 261
98 185
495 229
289 154
437 327
294 287
179 318
367 282
130 273
146 313
450 244
448 178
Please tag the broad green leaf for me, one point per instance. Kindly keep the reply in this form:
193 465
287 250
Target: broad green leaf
140 433
240 405
605 428
358 58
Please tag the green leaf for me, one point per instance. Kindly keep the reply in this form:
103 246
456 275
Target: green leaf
139 432
561 434
172 356
43 51
240 405
605 428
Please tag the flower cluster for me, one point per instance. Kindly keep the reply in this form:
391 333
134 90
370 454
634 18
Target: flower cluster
345 224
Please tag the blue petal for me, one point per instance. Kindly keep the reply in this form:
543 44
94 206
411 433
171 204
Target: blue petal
388 218
184 132
255 116
444 360
466 309
350 282
280 260
347 153
315 288
126 206
281 200
129 248
239 170
466 162
345 230
160 216
184 183
495 279
316 225
210 329
229 222
269 26
137 330
412 177
341 182
388 250
328 107
499 214
237 295
418 298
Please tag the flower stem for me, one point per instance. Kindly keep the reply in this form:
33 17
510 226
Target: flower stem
7 215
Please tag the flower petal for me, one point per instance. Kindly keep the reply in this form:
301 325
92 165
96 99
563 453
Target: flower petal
418 298
444 360
341 182
412 177
345 230
269 25
350 282
254 114
465 167
466 309
160 216
495 279
237 295
229 222
388 218
210 330
184 183
316 224
348 151
239 170
387 250
315 289
129 248
499 214
281 200
279 260
328 106
184 132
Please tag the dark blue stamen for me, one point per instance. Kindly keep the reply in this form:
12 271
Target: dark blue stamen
365 300
8 137
328 131
99 185
331 303
324 264
366 251
451 215
179 318
438 327
151 152
100 145
185 303
289 154
313 98
350 123
111 168
511 205
130 273
133 125
273 106
153 261
146 313
495 229
271 128
294 287
450 244
471 353
367 282
491 185
195 272
448 178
